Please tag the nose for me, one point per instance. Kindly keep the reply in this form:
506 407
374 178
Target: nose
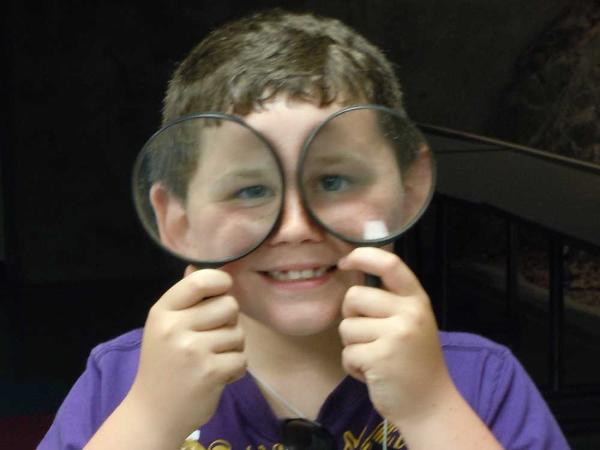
296 226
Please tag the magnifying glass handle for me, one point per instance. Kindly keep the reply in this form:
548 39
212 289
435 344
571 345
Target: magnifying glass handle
374 229
372 280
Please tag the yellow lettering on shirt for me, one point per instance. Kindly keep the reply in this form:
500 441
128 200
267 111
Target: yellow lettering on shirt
363 441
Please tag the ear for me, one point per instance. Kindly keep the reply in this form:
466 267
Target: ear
171 218
418 181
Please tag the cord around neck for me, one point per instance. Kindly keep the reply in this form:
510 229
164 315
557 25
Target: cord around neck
278 396
299 413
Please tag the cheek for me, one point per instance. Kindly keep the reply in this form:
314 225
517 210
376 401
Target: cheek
245 281
233 269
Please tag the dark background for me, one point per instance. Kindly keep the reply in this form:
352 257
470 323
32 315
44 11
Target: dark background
84 87
82 91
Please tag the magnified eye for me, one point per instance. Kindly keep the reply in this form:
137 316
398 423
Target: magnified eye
253 192
333 183
252 196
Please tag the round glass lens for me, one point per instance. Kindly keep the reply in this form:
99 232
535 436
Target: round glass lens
208 188
367 174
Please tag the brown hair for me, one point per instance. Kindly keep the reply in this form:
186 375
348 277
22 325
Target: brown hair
246 62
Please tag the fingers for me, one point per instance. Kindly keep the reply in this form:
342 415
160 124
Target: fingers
394 273
369 302
232 366
356 330
211 313
194 304
214 357
195 287
355 360
225 340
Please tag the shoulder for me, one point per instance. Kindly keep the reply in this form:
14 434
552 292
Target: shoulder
108 376
473 356
458 342
478 366
125 346
467 345
115 362
475 363
499 389
112 366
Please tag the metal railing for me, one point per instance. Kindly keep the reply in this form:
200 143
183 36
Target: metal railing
558 197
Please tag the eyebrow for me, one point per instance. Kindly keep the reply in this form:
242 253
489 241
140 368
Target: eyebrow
246 173
337 158
236 175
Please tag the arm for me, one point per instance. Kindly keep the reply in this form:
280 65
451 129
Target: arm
450 423
391 343
191 348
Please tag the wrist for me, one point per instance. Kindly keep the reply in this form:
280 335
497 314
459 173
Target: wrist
447 421
154 422
440 397
132 426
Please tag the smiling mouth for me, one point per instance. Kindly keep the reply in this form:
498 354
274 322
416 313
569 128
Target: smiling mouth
299 275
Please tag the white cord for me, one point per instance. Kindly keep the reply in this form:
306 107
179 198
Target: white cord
298 413
385 434
275 394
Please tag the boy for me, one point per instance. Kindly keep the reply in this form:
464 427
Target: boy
288 331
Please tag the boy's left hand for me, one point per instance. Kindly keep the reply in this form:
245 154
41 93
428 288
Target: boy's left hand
391 340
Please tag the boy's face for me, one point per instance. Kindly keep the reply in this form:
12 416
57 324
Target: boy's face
351 178
290 283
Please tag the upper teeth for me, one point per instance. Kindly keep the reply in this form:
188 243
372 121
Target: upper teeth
297 274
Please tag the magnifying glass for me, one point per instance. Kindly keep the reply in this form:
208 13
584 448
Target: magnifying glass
366 175
208 189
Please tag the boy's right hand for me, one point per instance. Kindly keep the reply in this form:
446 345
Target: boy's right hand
192 347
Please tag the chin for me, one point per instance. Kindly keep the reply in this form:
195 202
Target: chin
306 328
299 321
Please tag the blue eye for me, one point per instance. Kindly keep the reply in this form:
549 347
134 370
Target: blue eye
333 183
253 192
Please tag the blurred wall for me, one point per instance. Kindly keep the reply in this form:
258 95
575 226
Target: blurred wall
83 91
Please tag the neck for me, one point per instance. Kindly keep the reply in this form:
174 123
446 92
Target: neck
290 363
270 351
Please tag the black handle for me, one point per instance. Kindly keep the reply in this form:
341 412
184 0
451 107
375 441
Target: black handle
372 280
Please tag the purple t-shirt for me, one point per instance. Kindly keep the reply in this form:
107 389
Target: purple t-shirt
488 376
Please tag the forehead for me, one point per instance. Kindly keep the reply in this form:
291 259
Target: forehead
287 123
